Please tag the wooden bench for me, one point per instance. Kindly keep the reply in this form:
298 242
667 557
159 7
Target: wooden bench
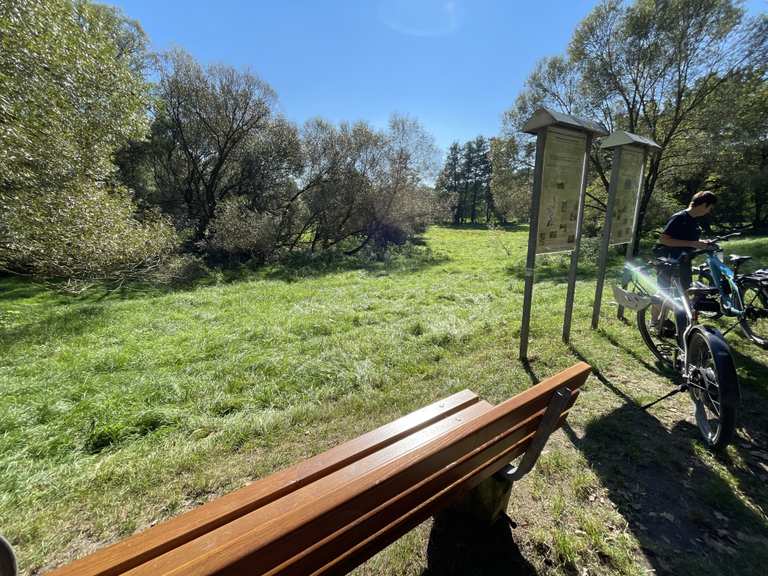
332 512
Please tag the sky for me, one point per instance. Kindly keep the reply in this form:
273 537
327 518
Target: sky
455 65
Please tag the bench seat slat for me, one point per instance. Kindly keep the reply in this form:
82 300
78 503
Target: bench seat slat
142 547
337 501
272 518
349 558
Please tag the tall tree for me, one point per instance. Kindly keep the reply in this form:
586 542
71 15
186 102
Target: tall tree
449 184
71 92
207 122
510 183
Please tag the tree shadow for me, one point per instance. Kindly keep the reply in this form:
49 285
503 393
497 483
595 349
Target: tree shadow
412 258
509 227
71 322
459 548
657 367
687 518
750 464
416 258
15 288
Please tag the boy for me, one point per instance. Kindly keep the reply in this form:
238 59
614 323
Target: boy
682 233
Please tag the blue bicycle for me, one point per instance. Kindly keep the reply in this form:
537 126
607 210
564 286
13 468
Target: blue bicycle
740 296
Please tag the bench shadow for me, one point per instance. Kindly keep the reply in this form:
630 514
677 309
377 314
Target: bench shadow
485 551
685 516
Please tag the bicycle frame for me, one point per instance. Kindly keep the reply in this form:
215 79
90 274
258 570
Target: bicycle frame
673 298
730 303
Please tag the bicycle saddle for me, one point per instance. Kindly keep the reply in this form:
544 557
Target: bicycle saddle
665 262
735 259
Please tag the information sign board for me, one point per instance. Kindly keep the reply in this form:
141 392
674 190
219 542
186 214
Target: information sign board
627 189
560 190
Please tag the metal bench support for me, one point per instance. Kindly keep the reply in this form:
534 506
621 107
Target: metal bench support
549 422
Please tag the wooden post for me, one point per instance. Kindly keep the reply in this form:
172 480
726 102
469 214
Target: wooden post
533 231
575 254
606 237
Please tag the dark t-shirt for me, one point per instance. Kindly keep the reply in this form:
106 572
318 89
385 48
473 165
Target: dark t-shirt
682 226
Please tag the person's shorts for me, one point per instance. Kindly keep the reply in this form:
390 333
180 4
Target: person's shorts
685 275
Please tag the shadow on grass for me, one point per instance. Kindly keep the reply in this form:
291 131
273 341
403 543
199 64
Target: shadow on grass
71 322
657 367
405 260
687 518
751 467
504 227
554 267
411 258
478 551
15 288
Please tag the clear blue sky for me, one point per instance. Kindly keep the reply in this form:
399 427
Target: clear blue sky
456 65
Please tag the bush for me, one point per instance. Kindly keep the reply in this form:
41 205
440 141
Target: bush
85 234
238 230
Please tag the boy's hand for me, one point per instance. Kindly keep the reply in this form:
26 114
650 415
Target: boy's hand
702 245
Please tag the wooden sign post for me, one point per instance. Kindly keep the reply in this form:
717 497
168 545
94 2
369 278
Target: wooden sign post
557 200
630 152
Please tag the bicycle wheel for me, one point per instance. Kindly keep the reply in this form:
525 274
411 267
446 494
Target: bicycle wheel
714 388
754 322
656 334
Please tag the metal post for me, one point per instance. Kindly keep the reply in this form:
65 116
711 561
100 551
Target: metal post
628 252
606 237
575 254
533 231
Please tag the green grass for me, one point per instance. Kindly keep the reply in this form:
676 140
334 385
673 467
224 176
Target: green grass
120 409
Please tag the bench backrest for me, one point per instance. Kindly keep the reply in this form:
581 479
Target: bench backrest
335 510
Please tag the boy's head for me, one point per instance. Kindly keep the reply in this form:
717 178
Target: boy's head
702 203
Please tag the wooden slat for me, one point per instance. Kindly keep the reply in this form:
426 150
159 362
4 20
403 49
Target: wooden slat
414 504
368 494
364 549
144 546
272 514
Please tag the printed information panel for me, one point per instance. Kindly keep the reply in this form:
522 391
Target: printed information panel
560 187
628 188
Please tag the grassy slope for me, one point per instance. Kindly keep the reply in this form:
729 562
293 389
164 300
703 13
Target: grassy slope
119 410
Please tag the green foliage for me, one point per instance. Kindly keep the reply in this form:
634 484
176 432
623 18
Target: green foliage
463 187
85 234
510 184
71 92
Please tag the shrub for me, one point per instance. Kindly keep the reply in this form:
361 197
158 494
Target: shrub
84 234
238 230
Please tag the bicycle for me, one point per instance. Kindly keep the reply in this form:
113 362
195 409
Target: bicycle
740 296
668 324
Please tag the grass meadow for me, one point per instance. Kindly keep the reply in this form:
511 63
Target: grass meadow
120 409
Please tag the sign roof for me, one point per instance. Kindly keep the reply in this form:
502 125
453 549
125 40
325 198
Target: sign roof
545 117
621 138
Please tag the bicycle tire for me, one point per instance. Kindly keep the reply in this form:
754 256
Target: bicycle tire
754 328
715 405
662 347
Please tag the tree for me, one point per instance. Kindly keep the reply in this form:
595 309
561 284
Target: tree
510 185
646 67
208 124
448 186
71 92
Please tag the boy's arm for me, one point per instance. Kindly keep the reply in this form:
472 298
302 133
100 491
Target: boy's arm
667 240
